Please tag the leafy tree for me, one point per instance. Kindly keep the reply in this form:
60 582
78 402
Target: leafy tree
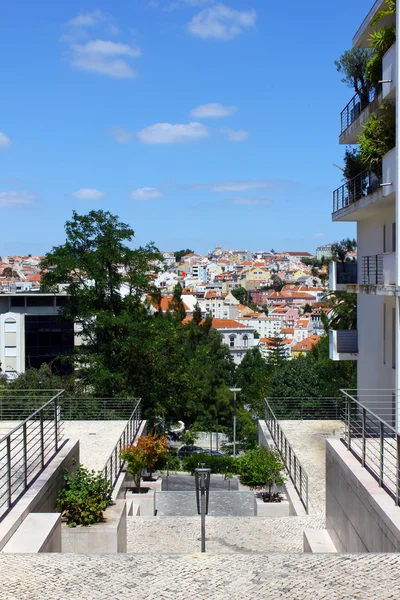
353 164
352 65
261 468
176 304
277 353
252 377
136 463
343 311
341 249
242 295
307 309
9 272
180 253
197 317
378 137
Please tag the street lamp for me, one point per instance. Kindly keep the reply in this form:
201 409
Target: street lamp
234 390
202 481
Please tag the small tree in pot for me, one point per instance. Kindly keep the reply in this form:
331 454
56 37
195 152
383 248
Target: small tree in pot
136 463
262 468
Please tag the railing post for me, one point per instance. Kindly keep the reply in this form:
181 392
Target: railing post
25 453
42 437
382 446
398 470
55 425
363 437
348 423
295 472
9 481
307 494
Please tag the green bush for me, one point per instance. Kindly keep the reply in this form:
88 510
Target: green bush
261 468
217 464
85 497
168 461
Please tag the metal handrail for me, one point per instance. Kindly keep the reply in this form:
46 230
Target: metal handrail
372 439
295 469
354 108
308 408
372 270
359 187
26 450
114 464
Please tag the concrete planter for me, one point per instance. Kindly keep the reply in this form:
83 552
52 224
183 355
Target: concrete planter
146 502
102 538
271 509
153 485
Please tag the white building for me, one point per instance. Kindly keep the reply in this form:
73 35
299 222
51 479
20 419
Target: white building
371 201
236 336
169 259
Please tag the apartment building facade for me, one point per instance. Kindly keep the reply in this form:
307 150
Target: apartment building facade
371 200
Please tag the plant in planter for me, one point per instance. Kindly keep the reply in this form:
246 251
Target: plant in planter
154 448
378 137
85 497
353 64
262 468
136 463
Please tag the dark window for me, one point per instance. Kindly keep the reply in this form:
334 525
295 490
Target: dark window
48 337
40 300
61 300
18 301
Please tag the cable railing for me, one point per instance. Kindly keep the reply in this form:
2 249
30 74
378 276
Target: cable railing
27 447
370 434
359 187
307 409
354 108
293 465
113 467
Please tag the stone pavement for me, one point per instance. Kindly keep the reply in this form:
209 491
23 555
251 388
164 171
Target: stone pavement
181 535
221 504
97 440
201 577
307 439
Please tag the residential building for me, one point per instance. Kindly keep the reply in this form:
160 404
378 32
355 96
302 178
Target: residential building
371 201
169 259
236 336
304 346
324 251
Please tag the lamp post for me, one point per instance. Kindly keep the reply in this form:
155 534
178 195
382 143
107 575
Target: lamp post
202 482
234 390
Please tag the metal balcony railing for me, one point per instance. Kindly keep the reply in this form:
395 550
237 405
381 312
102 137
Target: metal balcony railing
354 108
347 341
114 464
359 187
371 436
26 448
372 270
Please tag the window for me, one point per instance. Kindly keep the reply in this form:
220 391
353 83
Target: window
232 341
10 326
18 301
10 351
245 341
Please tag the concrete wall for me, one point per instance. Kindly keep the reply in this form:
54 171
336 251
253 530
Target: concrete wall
360 516
41 495
102 538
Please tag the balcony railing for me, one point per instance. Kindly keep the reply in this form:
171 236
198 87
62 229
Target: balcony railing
346 273
372 270
357 188
370 434
354 108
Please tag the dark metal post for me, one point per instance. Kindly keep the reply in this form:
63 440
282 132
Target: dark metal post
295 471
363 437
348 423
55 425
382 446
25 453
203 513
234 424
9 471
42 437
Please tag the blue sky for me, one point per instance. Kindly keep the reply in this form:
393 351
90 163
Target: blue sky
198 123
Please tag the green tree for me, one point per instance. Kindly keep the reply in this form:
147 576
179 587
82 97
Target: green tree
341 249
261 468
352 65
252 377
9 272
378 137
176 304
242 295
180 253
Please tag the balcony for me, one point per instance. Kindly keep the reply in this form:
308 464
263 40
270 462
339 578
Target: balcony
365 195
343 344
378 274
341 275
354 115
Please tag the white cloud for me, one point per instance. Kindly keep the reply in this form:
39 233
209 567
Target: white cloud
88 194
5 141
101 56
221 22
241 186
86 19
212 110
121 135
250 201
167 133
17 199
235 135
147 193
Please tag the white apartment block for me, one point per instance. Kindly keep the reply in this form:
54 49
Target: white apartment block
266 327
371 201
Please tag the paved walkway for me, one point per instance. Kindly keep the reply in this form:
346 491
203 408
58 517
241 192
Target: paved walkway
221 504
181 535
96 440
203 577
307 439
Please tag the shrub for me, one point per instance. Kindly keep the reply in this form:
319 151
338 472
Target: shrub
170 461
378 137
136 462
85 496
261 468
154 447
217 464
